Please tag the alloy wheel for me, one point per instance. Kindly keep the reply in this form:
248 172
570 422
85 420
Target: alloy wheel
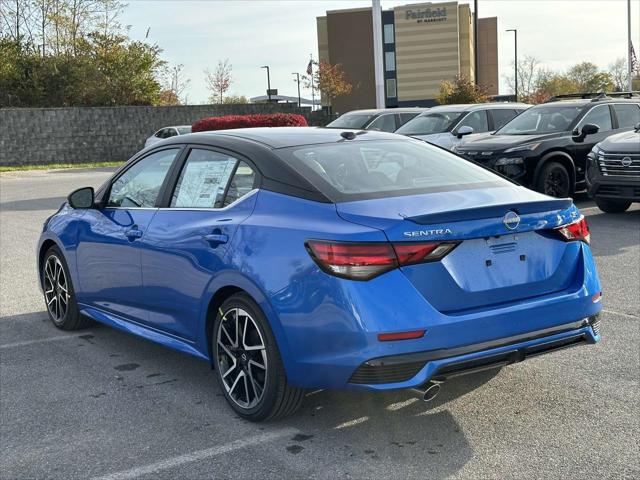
556 183
242 358
56 288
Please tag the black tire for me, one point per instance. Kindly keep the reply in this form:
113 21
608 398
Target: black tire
554 180
612 206
64 315
276 398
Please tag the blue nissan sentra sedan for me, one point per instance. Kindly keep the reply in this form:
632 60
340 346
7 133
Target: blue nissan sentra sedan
296 258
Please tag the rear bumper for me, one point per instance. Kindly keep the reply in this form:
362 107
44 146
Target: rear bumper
412 370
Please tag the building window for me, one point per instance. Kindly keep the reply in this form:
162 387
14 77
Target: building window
391 88
388 33
390 61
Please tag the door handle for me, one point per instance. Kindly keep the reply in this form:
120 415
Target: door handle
216 239
133 233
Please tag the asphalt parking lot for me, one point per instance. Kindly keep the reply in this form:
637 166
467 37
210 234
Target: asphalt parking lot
102 404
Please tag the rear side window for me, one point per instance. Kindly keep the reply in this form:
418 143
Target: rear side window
628 115
501 117
139 186
203 180
385 168
405 117
350 121
241 183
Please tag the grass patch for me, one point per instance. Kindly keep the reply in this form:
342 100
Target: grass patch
50 166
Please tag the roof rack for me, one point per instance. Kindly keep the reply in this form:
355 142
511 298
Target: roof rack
594 96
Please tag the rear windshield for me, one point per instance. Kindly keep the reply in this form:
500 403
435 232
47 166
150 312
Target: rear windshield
430 123
360 170
350 121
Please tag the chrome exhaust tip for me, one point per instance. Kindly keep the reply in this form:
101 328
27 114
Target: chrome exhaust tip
429 390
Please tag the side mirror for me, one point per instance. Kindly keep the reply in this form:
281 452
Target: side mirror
589 129
464 130
81 198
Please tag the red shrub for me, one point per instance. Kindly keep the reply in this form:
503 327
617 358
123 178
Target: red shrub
249 121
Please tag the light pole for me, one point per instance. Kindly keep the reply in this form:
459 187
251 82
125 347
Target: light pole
475 41
515 61
629 47
298 81
268 82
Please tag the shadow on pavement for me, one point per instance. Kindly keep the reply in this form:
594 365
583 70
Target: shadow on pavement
34 204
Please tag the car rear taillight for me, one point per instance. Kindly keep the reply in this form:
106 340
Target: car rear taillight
363 261
578 230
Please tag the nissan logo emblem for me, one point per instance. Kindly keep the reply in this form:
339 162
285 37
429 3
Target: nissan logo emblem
511 220
626 161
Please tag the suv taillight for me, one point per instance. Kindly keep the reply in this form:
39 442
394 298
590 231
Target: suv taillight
578 230
363 261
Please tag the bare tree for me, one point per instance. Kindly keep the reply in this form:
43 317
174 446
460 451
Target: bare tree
530 74
173 80
619 74
219 81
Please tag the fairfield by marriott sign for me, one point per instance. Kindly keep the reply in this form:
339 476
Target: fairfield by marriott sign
429 14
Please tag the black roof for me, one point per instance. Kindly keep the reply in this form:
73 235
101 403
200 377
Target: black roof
282 137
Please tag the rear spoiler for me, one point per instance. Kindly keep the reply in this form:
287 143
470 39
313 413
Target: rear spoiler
492 211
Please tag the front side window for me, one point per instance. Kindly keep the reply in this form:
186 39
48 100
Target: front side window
501 116
385 168
542 119
203 180
476 120
628 115
384 123
600 116
429 123
140 185
184 130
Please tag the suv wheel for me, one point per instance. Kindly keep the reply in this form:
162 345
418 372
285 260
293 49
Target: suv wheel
554 180
612 206
248 364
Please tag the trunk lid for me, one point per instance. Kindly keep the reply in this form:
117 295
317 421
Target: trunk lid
493 264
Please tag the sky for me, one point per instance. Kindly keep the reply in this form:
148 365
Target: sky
282 34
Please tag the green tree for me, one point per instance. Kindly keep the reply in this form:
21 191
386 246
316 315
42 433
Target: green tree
461 90
235 99
589 78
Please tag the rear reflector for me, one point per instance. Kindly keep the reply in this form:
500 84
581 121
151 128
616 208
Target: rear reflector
578 230
363 261
388 337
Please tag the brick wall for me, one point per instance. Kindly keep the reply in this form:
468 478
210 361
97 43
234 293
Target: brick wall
33 136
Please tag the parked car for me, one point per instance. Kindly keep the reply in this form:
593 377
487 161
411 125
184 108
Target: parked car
613 171
446 125
295 258
546 147
384 120
167 132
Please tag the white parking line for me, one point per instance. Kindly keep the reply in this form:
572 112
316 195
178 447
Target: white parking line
628 315
40 340
198 455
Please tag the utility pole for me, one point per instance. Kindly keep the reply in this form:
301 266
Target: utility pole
313 89
629 48
268 82
298 81
515 61
378 64
475 41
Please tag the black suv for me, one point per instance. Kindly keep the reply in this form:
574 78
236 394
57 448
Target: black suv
546 146
613 171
